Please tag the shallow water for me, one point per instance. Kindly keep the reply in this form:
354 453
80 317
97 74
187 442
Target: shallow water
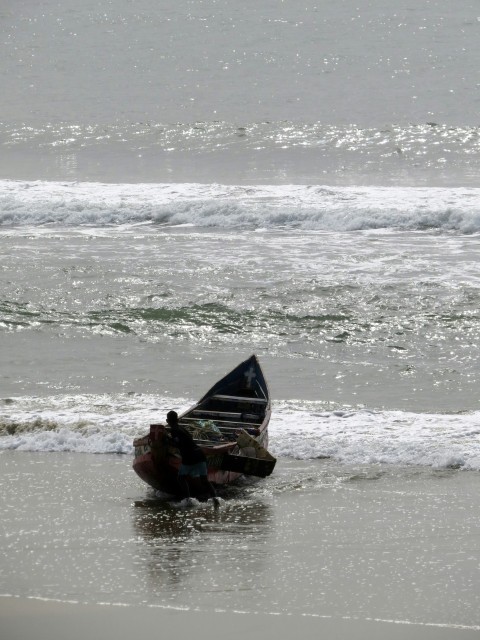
313 539
386 320
369 340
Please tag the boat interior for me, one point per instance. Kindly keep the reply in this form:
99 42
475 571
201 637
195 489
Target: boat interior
224 414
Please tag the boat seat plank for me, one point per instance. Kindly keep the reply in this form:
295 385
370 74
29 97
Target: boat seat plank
244 399
219 414
222 424
209 443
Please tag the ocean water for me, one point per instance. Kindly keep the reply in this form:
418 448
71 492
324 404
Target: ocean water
117 305
185 184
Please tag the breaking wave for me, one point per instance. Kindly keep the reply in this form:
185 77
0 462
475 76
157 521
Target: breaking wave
310 208
303 430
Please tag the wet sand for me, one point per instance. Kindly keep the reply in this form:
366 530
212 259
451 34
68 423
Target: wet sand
27 619
317 548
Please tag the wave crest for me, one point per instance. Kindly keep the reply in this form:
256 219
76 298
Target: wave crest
310 208
305 430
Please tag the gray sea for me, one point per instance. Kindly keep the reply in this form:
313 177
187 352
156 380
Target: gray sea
183 184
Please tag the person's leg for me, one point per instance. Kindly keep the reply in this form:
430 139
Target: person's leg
211 490
208 486
183 482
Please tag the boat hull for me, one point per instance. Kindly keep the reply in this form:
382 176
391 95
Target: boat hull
157 462
240 404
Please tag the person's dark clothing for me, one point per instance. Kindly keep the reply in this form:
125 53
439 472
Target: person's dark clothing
189 450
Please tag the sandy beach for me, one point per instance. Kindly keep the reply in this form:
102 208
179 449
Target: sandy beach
27 619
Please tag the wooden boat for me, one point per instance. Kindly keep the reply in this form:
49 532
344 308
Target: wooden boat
229 423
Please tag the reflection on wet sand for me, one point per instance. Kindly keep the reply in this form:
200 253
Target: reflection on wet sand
221 550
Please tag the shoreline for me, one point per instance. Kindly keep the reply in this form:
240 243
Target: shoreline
28 618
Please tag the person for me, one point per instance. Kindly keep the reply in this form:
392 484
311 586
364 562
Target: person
194 462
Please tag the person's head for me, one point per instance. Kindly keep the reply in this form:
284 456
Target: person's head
172 418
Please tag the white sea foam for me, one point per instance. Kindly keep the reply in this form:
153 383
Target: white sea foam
108 424
379 437
82 424
210 205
